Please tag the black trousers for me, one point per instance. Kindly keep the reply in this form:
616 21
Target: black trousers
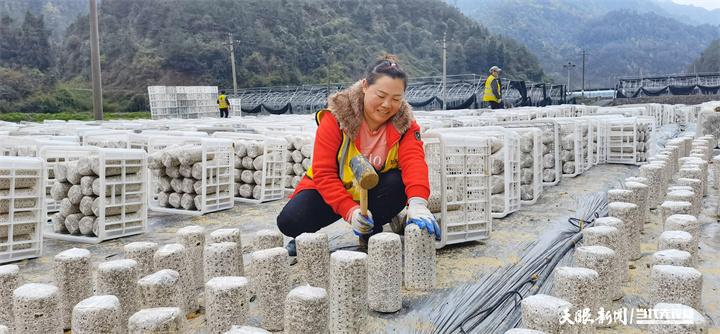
308 212
224 113
496 105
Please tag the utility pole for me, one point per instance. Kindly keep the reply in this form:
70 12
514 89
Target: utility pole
231 44
444 80
569 66
95 62
584 53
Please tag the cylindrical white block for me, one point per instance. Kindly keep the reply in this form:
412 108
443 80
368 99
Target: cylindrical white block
653 173
608 236
226 303
684 196
193 238
73 277
621 249
578 286
160 289
630 215
97 314
669 208
270 270
174 257
672 257
348 292
385 272
680 319
142 253
543 313
640 193
37 309
306 311
313 256
161 320
680 240
601 259
265 239
673 284
221 259
119 278
419 258
229 235
9 275
686 223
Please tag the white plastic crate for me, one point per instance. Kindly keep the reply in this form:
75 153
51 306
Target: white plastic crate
21 208
459 175
115 140
272 184
127 188
530 192
573 145
622 141
551 140
217 186
509 200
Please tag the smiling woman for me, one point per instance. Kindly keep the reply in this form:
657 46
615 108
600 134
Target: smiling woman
370 119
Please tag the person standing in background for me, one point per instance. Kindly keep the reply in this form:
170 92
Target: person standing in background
223 105
493 91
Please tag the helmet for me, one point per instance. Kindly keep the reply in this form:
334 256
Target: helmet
495 68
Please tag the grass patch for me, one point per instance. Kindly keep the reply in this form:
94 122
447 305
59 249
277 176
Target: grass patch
82 116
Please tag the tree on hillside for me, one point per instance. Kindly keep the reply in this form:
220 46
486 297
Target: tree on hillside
709 60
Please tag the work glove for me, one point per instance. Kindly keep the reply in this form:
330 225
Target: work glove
361 224
500 101
419 214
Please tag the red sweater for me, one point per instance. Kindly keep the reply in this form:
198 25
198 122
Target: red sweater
326 180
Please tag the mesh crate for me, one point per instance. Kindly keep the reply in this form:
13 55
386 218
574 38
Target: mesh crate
116 140
272 172
507 201
459 175
21 208
552 165
622 141
216 187
531 147
573 145
121 181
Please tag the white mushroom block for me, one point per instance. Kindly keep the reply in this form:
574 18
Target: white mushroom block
684 196
680 240
653 173
686 223
142 252
677 285
543 313
679 319
672 257
669 208
578 286
175 257
73 276
37 309
630 215
385 272
266 238
226 303
229 235
160 320
160 289
97 314
419 258
640 192
221 259
609 236
9 275
601 259
306 311
313 256
119 278
270 271
246 330
348 292
193 238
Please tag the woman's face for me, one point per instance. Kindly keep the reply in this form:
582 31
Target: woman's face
382 100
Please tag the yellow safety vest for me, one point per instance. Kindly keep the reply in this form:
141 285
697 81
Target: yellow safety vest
488 95
346 152
222 102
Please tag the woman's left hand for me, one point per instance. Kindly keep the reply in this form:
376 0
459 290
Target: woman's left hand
419 214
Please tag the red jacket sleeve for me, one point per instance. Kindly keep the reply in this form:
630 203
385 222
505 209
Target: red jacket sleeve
411 157
325 166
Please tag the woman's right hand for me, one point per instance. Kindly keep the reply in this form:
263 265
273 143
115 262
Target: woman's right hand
361 224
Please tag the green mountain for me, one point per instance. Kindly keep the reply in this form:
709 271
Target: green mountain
709 60
57 14
622 37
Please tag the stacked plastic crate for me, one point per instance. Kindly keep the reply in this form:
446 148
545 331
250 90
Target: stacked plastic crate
191 175
188 102
21 208
102 193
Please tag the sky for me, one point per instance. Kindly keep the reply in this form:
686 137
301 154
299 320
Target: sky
707 4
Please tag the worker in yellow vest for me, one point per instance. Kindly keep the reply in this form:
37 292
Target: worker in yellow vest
493 91
223 105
